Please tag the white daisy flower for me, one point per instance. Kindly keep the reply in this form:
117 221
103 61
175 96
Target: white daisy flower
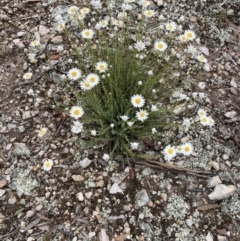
106 157
96 4
190 34
148 13
194 95
137 101
27 75
140 82
139 45
93 79
126 7
130 123
60 26
93 132
150 72
72 10
204 120
35 43
160 45
179 149
42 132
183 38
192 50
76 112
211 122
201 85
154 130
84 10
124 117
171 26
134 145
144 3
81 16
187 149
103 23
202 113
129 1
86 85
201 58
122 15
87 33
169 153
101 66
112 125
201 95
77 127
47 165
142 115
74 74
154 108
186 122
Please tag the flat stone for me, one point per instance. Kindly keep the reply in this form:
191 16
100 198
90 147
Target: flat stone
222 191
20 149
103 235
85 162
231 114
2 192
26 115
141 198
3 183
213 181
57 39
80 196
77 178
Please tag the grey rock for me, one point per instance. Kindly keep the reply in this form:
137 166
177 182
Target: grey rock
230 114
221 238
103 235
20 149
141 198
233 83
85 162
77 178
213 181
222 191
3 183
230 12
26 115
2 138
2 192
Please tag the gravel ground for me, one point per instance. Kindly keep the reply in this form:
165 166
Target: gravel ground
84 197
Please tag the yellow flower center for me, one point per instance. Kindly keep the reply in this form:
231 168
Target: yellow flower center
170 151
92 79
87 33
186 148
48 164
87 84
84 10
74 73
42 132
101 67
170 27
142 114
137 101
204 119
201 58
76 112
160 45
189 34
27 75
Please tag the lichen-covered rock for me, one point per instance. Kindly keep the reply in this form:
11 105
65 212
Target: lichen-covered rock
222 191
